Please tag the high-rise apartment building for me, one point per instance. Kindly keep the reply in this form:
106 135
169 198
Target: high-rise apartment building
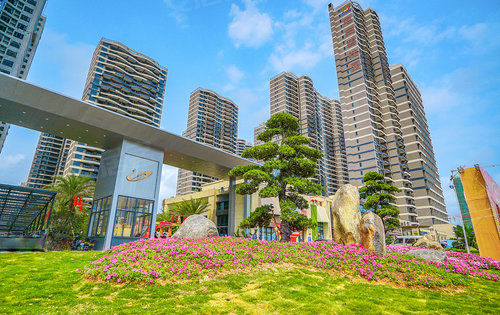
124 81
48 160
21 27
256 132
428 195
241 146
212 120
320 120
372 127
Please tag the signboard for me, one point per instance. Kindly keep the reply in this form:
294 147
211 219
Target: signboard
139 177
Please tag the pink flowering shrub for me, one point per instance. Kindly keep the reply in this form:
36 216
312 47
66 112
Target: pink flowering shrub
150 260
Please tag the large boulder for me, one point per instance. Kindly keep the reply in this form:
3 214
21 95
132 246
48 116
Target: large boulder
346 215
428 254
427 242
372 233
196 226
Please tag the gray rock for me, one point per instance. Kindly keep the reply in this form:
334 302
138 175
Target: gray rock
347 215
196 226
428 254
372 233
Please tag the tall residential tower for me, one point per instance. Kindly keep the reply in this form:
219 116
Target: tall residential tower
212 120
122 80
429 200
21 27
320 120
372 127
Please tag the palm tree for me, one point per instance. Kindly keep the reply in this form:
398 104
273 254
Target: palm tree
185 208
71 186
67 188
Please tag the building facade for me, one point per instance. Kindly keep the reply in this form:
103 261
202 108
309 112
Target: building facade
426 185
212 120
257 131
320 120
21 27
217 195
48 160
241 146
124 81
372 125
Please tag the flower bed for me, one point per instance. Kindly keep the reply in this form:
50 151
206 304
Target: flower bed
150 260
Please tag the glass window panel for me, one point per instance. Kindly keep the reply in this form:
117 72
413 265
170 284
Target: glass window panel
105 214
150 206
108 203
119 222
128 224
139 217
101 228
93 223
122 203
146 225
131 204
139 220
141 205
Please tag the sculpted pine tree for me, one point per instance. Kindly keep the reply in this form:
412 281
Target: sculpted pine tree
378 197
284 174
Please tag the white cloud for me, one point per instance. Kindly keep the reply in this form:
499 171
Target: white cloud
168 184
283 59
7 162
249 27
473 32
179 9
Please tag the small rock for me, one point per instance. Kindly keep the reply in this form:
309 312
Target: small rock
372 233
347 215
428 254
196 226
427 242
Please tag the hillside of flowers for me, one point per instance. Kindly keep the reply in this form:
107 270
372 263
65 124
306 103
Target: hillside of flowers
163 260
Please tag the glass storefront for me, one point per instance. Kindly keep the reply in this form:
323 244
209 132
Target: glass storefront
133 217
222 208
267 234
99 217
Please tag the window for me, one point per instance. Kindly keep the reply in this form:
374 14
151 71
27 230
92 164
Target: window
25 18
32 2
18 35
267 234
99 217
15 44
133 217
222 208
28 9
7 63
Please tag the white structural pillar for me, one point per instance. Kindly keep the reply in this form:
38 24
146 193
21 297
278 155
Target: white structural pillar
232 206
132 172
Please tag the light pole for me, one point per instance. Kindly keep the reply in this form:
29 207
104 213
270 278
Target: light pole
452 186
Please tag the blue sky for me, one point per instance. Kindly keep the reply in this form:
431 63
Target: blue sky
450 48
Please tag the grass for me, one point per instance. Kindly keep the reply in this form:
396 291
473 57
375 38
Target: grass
36 283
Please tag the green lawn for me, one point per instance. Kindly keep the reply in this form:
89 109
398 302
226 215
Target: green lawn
38 283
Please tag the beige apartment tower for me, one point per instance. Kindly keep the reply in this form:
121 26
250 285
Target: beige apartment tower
320 120
212 120
124 81
372 126
429 201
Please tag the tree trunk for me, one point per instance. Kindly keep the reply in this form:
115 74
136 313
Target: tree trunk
285 232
